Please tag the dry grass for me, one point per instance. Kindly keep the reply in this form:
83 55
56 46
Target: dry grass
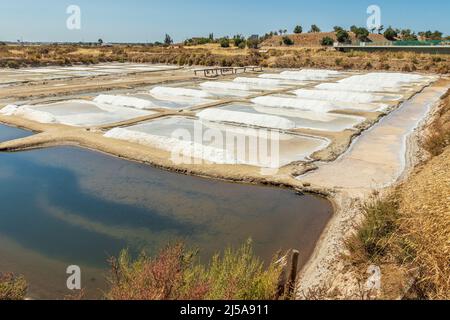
410 228
212 55
12 287
438 133
175 274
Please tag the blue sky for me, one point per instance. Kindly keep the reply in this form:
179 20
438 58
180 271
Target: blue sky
149 20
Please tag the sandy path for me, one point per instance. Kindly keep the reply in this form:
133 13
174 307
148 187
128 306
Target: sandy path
376 160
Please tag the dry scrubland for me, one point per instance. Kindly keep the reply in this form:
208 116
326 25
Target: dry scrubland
407 232
314 39
214 55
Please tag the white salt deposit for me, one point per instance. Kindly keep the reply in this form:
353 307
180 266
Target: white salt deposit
356 87
295 103
177 92
230 144
246 118
381 79
312 73
259 81
124 101
343 96
29 113
75 113
291 77
322 106
226 85
186 148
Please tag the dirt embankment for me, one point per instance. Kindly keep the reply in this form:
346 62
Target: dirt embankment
213 55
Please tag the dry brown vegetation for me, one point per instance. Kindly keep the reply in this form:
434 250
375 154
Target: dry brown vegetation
12 287
212 55
176 274
314 39
408 231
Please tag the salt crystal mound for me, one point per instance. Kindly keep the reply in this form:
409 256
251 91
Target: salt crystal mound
314 74
356 87
101 114
176 146
167 92
310 115
28 113
322 106
386 79
299 78
259 81
226 85
259 120
341 96
123 101
295 103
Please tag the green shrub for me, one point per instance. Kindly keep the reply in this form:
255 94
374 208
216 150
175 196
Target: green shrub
327 41
298 29
390 34
314 29
238 40
287 41
342 36
373 235
225 43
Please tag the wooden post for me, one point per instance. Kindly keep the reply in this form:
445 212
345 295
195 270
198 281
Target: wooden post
293 274
281 287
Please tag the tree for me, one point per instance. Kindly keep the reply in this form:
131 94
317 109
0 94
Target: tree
225 42
408 35
168 40
298 29
238 40
314 29
100 42
287 41
362 34
211 37
327 41
429 35
337 28
354 29
390 34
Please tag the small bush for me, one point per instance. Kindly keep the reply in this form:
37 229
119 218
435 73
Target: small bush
342 36
225 43
175 274
372 237
13 64
287 41
327 41
12 287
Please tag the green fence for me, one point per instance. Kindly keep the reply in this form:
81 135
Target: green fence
418 43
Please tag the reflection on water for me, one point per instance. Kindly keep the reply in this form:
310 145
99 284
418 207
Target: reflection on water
67 206
11 133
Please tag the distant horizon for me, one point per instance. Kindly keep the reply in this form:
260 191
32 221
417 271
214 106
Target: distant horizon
137 21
